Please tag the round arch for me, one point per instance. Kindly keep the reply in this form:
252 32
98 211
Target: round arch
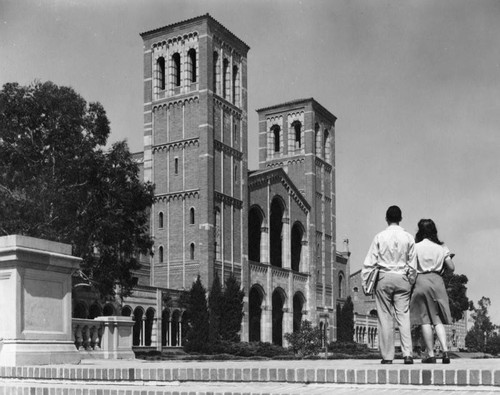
148 327
278 211
256 219
278 303
255 299
137 329
298 233
80 310
299 301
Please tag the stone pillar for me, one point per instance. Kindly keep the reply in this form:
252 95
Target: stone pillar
35 302
286 252
117 337
287 323
266 325
264 245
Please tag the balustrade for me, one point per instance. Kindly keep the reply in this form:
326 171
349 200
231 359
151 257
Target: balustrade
87 334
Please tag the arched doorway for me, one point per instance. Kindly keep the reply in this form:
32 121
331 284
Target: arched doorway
255 218
298 306
276 228
150 315
137 330
278 303
255 314
297 235
175 328
165 317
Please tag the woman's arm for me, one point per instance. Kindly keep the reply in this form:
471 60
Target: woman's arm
449 265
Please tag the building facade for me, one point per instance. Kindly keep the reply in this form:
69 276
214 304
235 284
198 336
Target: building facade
273 228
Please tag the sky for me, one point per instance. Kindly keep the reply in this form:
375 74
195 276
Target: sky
415 86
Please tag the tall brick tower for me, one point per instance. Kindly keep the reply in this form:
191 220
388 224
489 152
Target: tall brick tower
195 150
299 137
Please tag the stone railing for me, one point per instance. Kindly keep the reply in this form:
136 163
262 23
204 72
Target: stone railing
87 334
104 337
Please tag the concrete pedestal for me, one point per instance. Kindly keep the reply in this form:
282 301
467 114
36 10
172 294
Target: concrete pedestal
116 342
35 302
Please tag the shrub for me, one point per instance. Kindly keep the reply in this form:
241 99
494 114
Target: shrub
306 341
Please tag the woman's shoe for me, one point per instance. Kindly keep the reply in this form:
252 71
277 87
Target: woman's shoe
429 360
446 358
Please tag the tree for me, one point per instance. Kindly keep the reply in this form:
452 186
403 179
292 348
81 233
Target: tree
479 335
215 307
197 336
457 294
306 341
345 321
59 183
232 311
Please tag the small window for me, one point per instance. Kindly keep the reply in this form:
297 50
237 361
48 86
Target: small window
192 64
191 251
298 133
236 85
160 220
276 136
176 64
176 165
235 134
191 216
161 72
225 79
160 254
355 289
216 75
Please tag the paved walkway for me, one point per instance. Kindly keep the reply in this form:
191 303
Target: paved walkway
311 377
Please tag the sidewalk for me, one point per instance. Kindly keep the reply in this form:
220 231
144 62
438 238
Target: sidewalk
480 374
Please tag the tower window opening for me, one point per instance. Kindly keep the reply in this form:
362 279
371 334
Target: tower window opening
225 79
160 220
160 64
276 135
192 64
236 85
176 64
216 75
191 216
160 254
298 133
191 251
176 165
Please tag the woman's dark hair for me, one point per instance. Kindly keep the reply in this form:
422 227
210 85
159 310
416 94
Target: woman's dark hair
427 230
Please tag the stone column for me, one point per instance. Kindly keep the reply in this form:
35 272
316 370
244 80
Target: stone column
117 337
35 302
264 245
286 255
266 324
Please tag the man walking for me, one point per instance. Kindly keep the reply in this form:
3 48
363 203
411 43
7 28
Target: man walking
391 251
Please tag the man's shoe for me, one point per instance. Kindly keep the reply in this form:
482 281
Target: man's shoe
408 360
429 360
446 358
386 361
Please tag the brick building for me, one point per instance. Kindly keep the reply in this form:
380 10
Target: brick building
273 228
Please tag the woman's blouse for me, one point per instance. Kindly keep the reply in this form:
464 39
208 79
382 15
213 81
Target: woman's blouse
430 256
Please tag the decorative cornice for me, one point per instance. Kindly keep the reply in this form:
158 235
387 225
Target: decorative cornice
180 39
177 144
229 200
181 195
176 103
218 145
321 163
227 106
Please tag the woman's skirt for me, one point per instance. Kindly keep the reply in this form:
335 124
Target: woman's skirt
429 301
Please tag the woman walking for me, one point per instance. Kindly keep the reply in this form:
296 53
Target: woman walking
429 305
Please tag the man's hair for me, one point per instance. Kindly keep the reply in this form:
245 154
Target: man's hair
393 215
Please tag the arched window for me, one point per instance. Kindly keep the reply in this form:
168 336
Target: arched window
192 64
236 85
297 126
176 65
326 145
276 136
235 134
341 286
216 75
235 176
191 216
218 235
160 220
176 165
318 140
191 251
160 64
160 254
225 79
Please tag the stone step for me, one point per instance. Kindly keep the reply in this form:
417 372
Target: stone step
458 373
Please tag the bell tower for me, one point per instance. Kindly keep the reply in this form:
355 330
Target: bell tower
195 150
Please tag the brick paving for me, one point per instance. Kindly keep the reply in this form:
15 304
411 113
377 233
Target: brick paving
98 377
